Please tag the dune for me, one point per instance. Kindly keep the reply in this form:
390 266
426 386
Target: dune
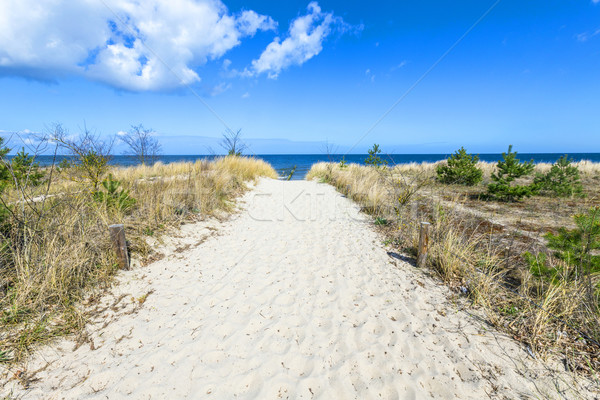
294 296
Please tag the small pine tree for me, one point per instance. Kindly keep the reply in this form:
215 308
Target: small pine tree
4 163
578 249
374 158
26 171
579 246
5 180
509 169
562 180
461 168
112 197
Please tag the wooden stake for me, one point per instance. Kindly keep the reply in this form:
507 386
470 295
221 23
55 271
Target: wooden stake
117 235
423 244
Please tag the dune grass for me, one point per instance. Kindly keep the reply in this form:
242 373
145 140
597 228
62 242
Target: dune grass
56 248
477 249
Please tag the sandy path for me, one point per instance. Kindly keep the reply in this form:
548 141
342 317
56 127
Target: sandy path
294 298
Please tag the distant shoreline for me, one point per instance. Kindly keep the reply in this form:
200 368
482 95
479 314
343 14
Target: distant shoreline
284 163
125 160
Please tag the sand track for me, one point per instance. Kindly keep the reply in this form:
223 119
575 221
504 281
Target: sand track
295 297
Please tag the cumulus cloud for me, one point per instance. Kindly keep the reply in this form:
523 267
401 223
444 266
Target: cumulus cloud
305 40
128 44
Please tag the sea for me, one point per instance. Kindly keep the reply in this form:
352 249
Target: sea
300 163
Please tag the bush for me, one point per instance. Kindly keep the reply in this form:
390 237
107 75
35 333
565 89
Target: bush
89 156
25 171
374 158
509 169
112 197
576 248
4 164
461 168
562 180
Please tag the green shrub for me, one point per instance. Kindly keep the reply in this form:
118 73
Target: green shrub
112 197
577 248
562 180
374 158
26 172
381 221
4 165
509 169
461 168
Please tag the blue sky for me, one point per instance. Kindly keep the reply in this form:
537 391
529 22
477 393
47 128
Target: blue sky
293 74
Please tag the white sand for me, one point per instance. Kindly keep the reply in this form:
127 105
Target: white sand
295 297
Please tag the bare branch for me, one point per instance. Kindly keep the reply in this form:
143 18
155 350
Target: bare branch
142 144
232 143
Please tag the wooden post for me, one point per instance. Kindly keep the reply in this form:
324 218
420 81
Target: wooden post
423 244
117 235
506 256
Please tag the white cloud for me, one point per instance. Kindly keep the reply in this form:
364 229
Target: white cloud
250 22
585 36
305 40
49 39
220 88
245 95
402 64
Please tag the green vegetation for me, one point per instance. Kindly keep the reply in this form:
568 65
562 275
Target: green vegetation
25 171
381 221
508 170
575 248
374 159
4 166
562 180
112 198
20 171
461 168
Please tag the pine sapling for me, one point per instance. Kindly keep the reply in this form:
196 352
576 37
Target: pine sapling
461 168
508 170
562 180
374 158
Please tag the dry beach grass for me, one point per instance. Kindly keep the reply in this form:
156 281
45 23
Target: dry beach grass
295 297
477 247
56 247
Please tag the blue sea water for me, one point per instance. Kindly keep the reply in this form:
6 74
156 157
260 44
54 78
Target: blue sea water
284 163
